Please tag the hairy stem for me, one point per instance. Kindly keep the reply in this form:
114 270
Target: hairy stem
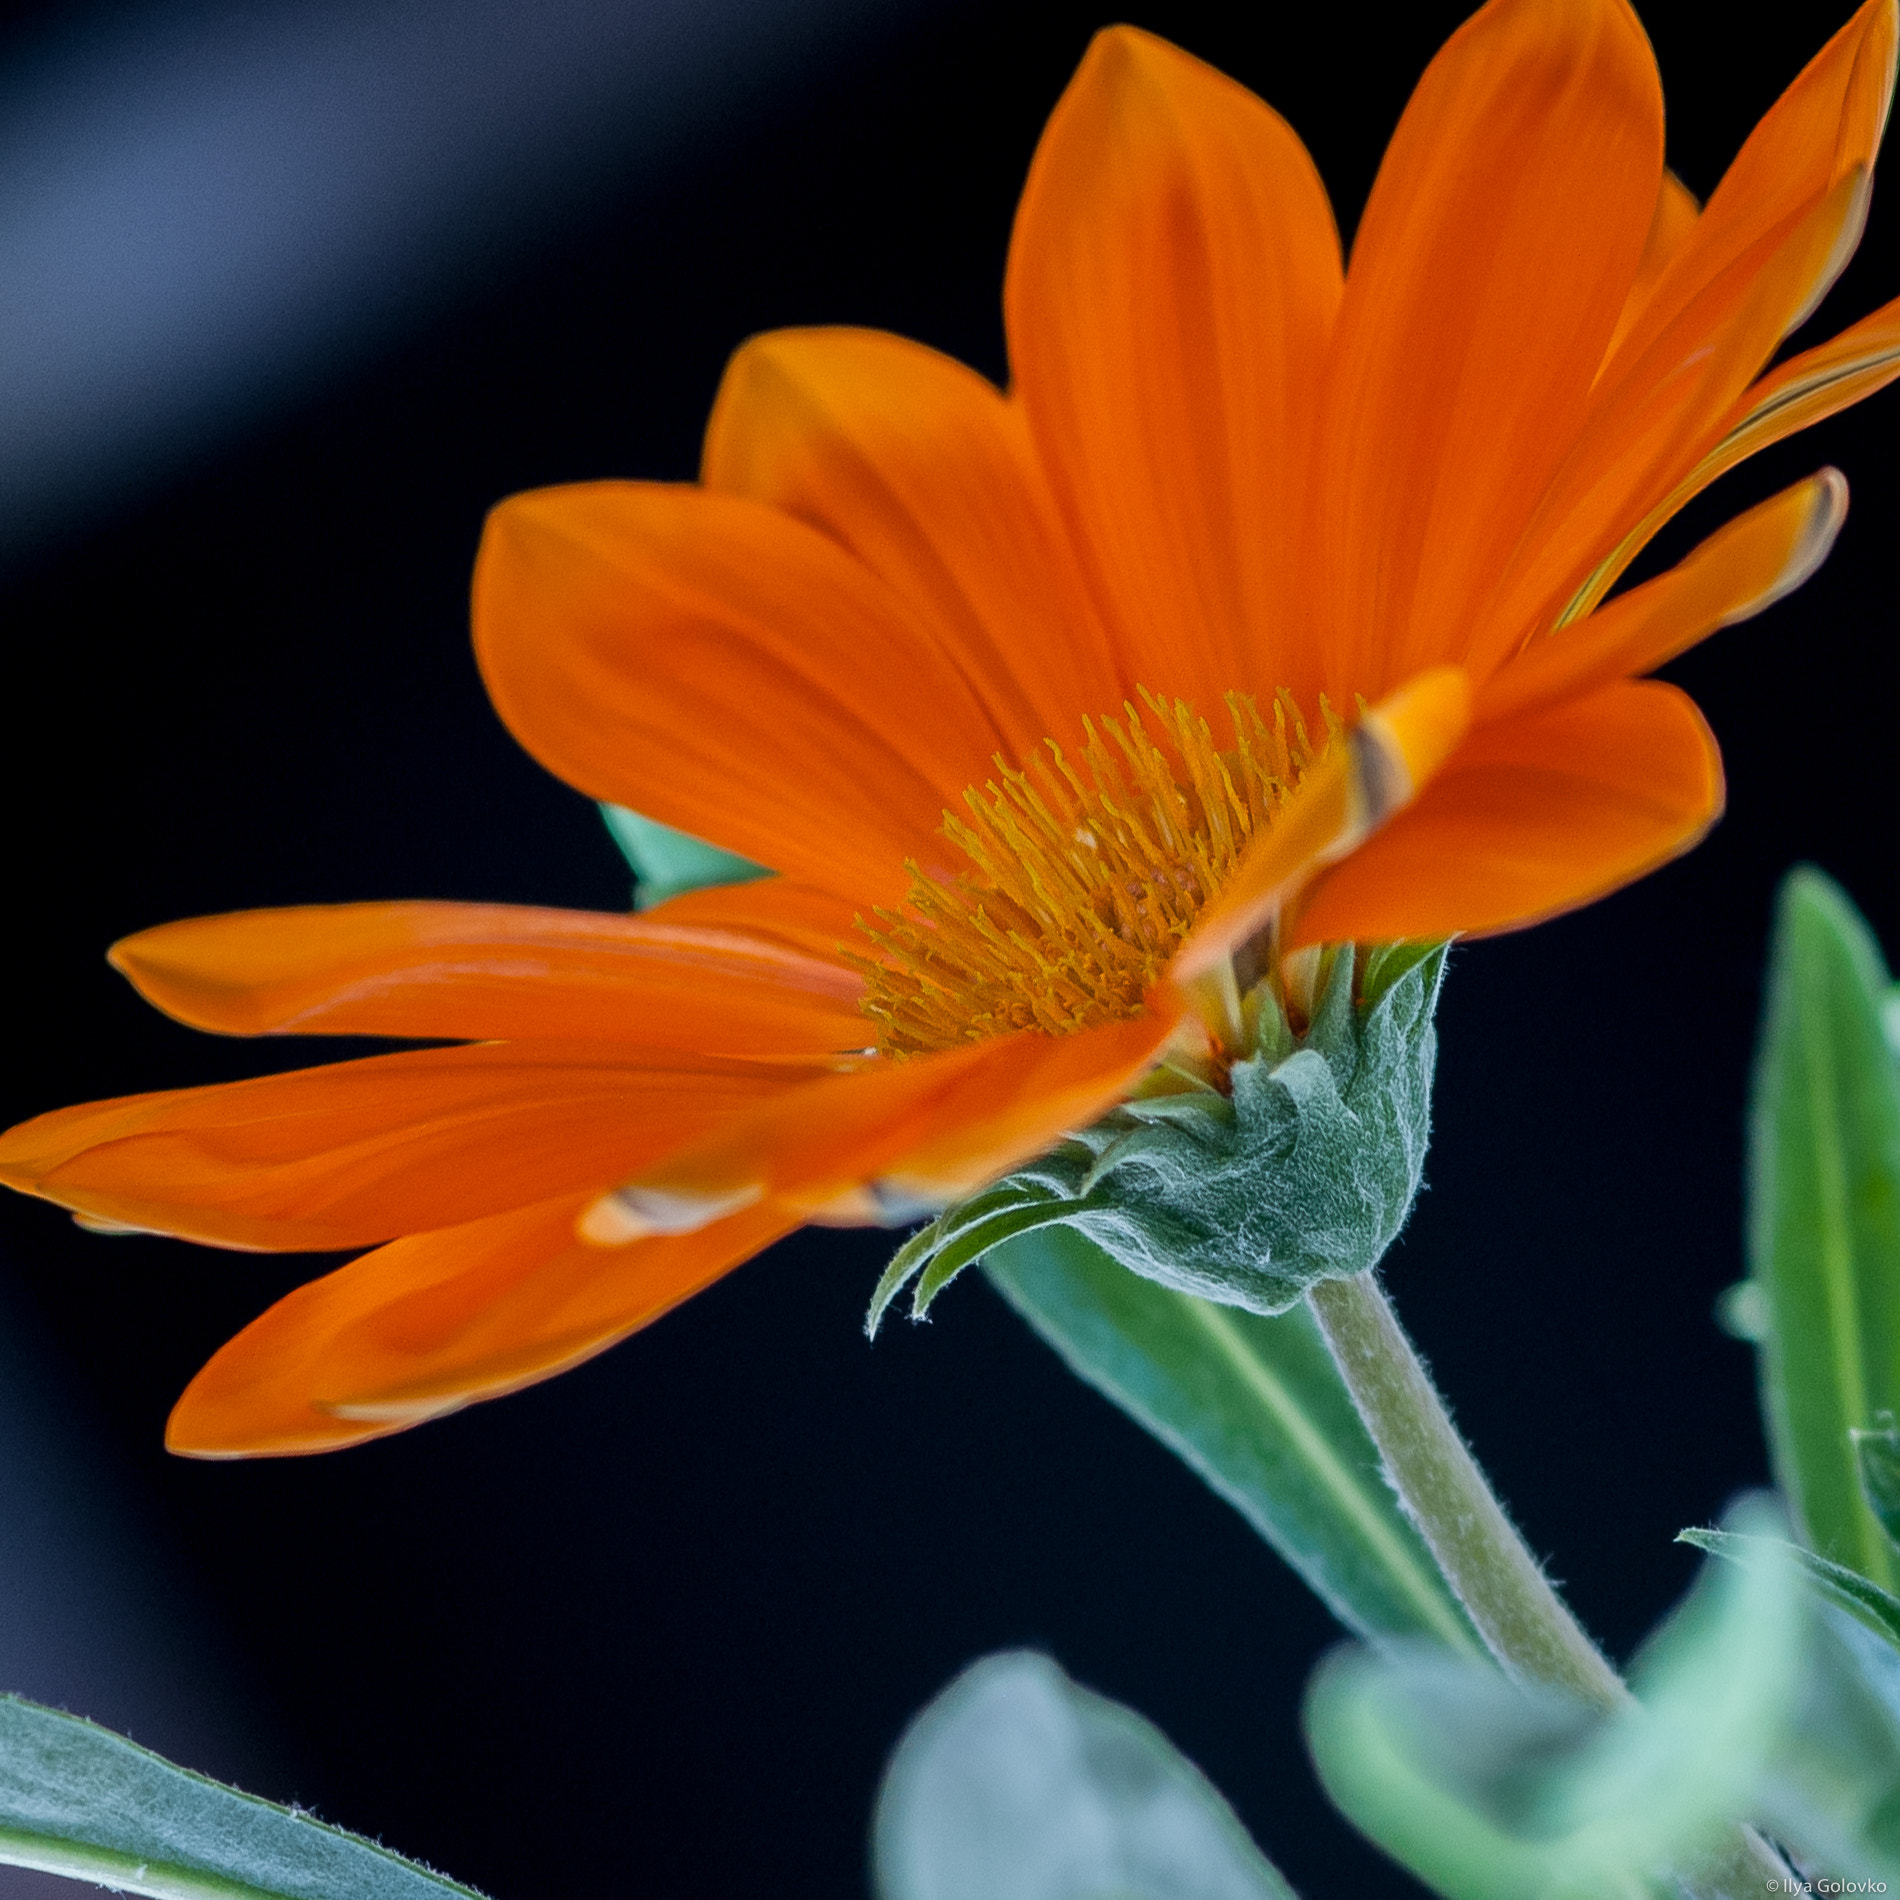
1523 1621
1521 1618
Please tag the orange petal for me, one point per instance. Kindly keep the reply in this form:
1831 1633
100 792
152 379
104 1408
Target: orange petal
1651 429
1533 817
728 671
359 1151
437 1321
1736 573
1672 224
1795 395
1172 282
806 918
1496 251
1826 125
1780 226
873 1145
492 971
1397 748
924 471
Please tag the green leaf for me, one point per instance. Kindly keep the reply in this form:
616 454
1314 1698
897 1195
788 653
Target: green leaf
1877 1458
1845 1589
1015 1784
1255 1406
81 1801
1832 1790
667 862
1489 1791
1824 1216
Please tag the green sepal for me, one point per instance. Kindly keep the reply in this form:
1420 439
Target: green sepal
1306 1171
937 1253
1387 963
666 862
78 1800
1824 1217
1491 1791
1016 1784
1846 1590
1256 1408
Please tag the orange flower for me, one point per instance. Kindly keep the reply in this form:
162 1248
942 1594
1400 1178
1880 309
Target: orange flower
1265 610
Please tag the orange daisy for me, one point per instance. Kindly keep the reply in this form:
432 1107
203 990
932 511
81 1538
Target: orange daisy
1266 609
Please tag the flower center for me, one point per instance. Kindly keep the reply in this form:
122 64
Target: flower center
1085 875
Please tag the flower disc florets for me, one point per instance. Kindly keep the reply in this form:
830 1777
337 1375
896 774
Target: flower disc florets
1085 876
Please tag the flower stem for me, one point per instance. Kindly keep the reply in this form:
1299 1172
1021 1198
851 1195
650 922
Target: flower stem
1523 1621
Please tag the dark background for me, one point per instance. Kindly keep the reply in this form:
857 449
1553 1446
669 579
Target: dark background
652 1628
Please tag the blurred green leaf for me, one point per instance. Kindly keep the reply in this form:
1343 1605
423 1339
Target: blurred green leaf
1877 1458
1832 1790
1835 1584
81 1801
1256 1407
1015 1784
1488 1791
1824 1216
667 862
1742 1313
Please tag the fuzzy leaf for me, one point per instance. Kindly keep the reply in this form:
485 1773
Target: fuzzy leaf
1492 1792
666 862
78 1800
1256 1408
1846 1590
1824 1217
1015 1784
1833 1786
1833 1791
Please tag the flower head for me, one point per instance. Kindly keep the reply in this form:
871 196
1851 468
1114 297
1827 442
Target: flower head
1270 607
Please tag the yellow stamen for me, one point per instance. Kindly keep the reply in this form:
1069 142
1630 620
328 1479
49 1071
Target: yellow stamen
1085 877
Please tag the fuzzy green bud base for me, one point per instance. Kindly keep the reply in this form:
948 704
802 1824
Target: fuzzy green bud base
1303 1170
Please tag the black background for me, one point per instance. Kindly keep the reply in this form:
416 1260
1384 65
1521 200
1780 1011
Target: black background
651 1628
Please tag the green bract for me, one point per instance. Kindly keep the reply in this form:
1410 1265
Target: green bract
1305 1172
667 862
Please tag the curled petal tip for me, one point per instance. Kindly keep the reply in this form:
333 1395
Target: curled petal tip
639 1213
889 1201
1401 742
1815 541
103 1224
1853 194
